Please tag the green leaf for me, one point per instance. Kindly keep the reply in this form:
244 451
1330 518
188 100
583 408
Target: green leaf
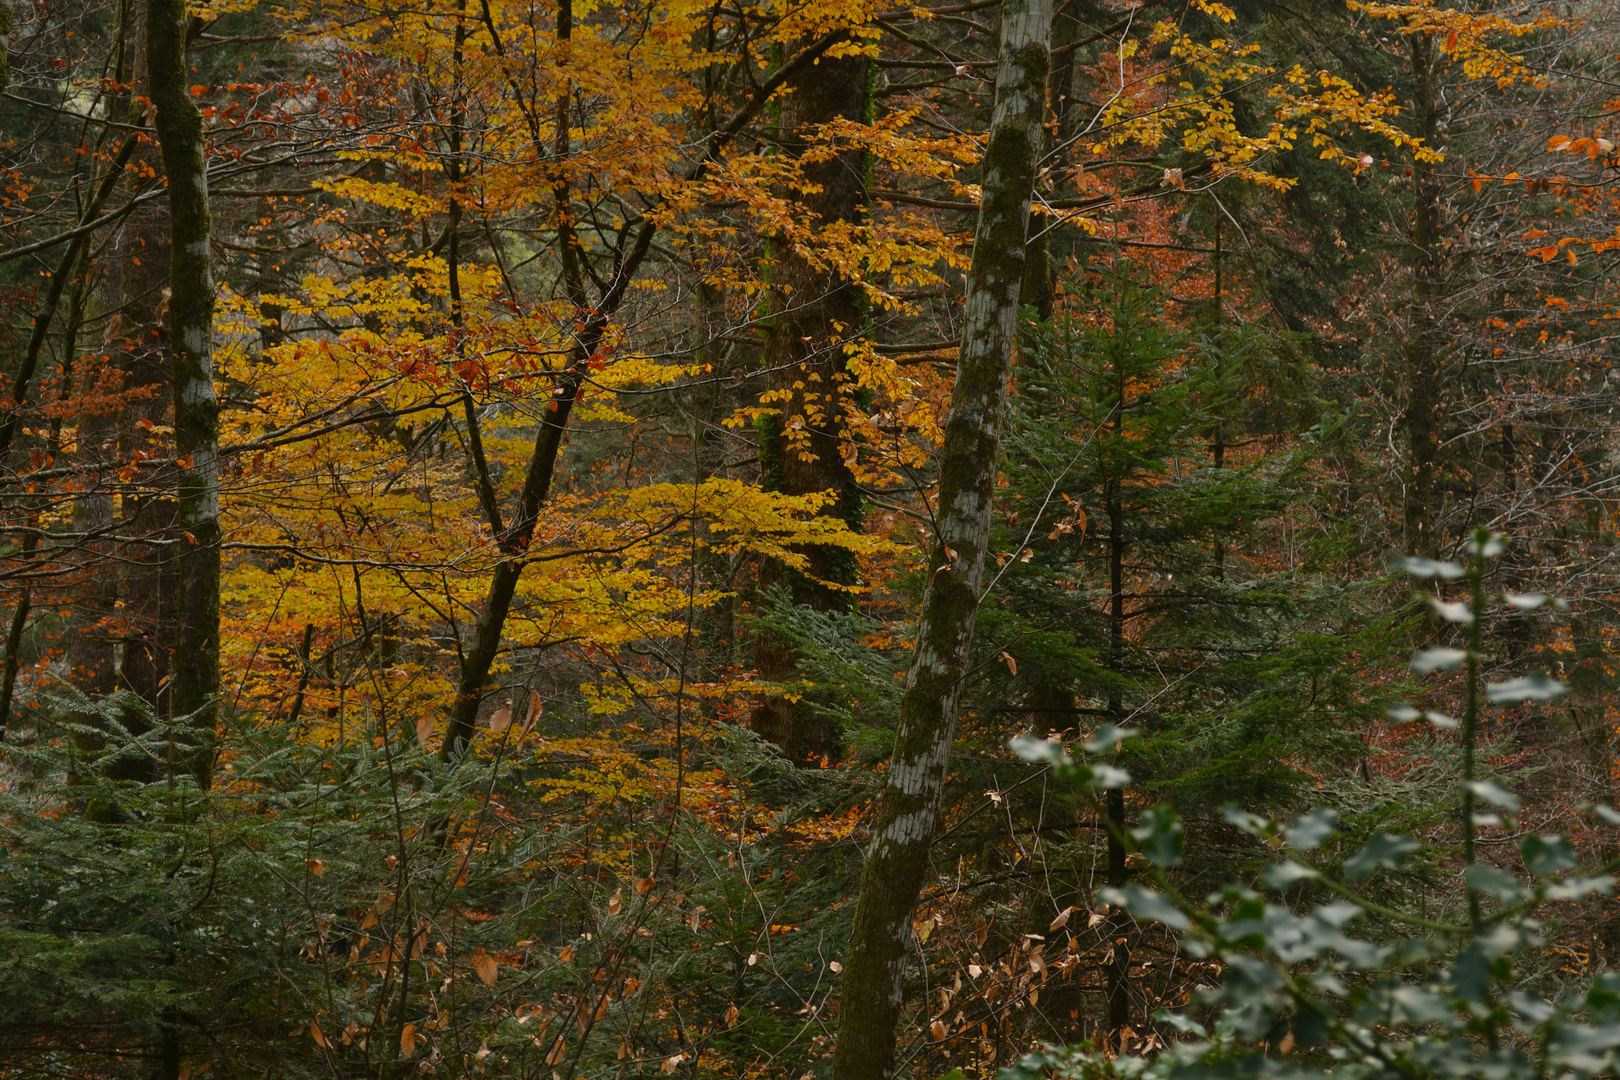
1107 738
1494 882
1575 888
1039 751
1105 777
1438 658
1146 904
1495 794
1285 874
1385 849
1430 568
1530 688
1159 837
1311 829
1546 854
1451 611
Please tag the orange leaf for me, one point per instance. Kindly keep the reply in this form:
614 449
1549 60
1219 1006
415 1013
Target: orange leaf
485 966
314 867
407 1040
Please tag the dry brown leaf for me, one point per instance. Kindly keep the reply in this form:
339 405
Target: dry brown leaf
314 866
938 1030
567 954
1287 1043
385 900
424 730
835 967
407 1040
486 967
534 711
616 902
318 1035
556 1054
644 884
1012 665
501 718
672 1063
731 1015
1061 920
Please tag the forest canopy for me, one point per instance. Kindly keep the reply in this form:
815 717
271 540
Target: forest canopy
827 541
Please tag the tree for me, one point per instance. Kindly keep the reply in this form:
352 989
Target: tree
897 860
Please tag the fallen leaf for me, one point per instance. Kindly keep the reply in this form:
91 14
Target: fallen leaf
644 884
616 902
485 966
938 1030
314 867
407 1040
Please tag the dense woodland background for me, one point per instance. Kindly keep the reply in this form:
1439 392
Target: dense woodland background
475 644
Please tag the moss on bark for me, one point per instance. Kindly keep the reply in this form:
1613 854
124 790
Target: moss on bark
897 860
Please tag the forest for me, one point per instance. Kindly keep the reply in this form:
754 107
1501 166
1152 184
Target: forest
809 539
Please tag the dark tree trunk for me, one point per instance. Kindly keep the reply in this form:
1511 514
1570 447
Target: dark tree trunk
1423 378
812 314
195 686
897 860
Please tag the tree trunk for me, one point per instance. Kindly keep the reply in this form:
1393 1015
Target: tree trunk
1423 409
195 689
812 314
897 861
486 642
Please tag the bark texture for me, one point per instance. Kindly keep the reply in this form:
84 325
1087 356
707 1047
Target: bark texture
897 860
1423 408
196 409
813 312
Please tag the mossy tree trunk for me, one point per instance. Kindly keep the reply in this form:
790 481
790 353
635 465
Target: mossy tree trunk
196 409
897 860
1423 418
812 314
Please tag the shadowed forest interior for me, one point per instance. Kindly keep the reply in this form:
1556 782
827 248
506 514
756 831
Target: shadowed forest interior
561 539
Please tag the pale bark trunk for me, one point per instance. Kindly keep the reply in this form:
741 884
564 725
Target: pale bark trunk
897 860
195 689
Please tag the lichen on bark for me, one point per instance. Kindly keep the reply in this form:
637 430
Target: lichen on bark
897 860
